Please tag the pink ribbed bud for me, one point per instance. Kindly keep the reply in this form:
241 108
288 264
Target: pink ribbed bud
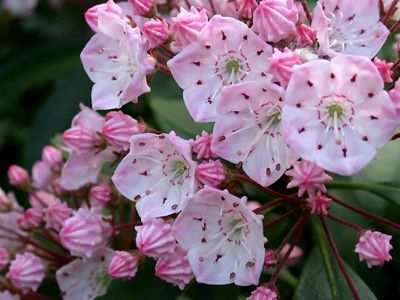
395 96
156 32
294 256
84 233
202 146
282 65
102 194
373 247
118 128
42 174
124 265
26 272
306 36
41 200
270 259
187 25
81 140
246 8
174 268
263 293
22 223
210 173
92 14
154 238
56 214
385 69
319 204
33 217
142 7
52 156
5 202
18 176
275 20
4 258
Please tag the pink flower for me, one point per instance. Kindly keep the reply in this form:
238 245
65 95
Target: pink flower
42 175
5 202
308 177
6 295
92 14
373 247
156 32
246 8
81 139
202 146
223 237
26 272
86 278
18 176
337 113
101 193
158 173
4 258
306 36
282 64
349 27
187 25
141 7
154 238
226 52
56 214
270 259
319 204
40 199
210 173
116 60
385 69
395 96
275 20
118 128
248 130
263 293
174 268
52 157
123 265
33 217
84 233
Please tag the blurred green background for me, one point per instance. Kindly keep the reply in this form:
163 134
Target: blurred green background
42 83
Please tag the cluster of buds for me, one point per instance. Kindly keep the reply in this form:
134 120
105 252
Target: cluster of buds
293 94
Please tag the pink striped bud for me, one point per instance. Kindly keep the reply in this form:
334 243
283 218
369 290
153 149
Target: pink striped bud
246 8
101 193
210 173
4 258
81 140
156 32
52 156
124 265
18 176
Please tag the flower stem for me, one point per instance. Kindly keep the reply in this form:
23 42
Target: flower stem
281 218
389 12
126 226
306 10
346 223
269 205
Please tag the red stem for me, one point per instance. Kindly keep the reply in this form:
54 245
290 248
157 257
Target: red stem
268 205
281 218
306 10
291 232
212 7
126 226
346 223
389 12
339 259
395 27
163 68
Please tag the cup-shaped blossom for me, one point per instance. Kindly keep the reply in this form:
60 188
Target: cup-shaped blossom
156 32
319 204
202 145
118 128
349 27
116 60
210 172
101 193
337 114
92 14
282 64
187 25
226 52
385 69
33 217
175 268
275 20
56 214
158 173
84 234
4 258
248 130
123 265
141 7
26 272
223 237
5 202
263 293
308 177
373 247
18 176
154 238
246 8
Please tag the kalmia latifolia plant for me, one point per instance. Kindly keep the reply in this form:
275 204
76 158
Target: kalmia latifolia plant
297 96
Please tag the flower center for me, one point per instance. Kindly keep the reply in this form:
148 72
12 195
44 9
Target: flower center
180 168
233 65
335 110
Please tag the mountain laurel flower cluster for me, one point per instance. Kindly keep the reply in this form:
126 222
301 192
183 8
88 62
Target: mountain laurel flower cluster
298 98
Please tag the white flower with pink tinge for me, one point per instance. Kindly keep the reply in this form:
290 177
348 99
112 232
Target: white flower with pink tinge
158 173
85 279
337 114
26 272
263 293
223 237
174 268
92 14
373 247
248 130
226 52
116 60
349 27
308 177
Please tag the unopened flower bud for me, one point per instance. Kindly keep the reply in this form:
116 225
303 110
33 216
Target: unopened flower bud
18 176
124 265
